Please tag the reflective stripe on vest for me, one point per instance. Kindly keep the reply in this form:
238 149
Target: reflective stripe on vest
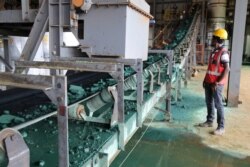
215 68
214 73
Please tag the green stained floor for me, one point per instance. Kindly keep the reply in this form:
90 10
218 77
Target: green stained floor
176 144
170 147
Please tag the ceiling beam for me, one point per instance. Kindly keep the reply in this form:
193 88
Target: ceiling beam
169 1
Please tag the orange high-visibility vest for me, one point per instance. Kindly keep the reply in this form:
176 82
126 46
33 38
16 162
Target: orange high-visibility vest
215 68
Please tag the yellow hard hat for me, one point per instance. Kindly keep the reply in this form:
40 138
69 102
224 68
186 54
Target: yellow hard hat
78 3
221 33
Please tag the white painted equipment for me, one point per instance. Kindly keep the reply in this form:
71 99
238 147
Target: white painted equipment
116 28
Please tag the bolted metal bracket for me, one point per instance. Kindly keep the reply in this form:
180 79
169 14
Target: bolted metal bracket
57 93
17 151
114 119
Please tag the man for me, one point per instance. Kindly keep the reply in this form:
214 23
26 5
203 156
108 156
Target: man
215 79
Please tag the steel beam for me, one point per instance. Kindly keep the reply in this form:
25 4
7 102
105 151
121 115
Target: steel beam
139 89
130 62
178 91
37 32
62 118
7 65
55 31
170 2
59 18
237 52
119 77
186 71
58 95
25 9
121 117
6 49
64 65
26 81
15 16
202 27
170 56
7 58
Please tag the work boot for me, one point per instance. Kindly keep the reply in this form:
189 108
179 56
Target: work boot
206 124
219 131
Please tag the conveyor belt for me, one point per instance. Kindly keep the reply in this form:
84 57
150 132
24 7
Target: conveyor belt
88 140
21 98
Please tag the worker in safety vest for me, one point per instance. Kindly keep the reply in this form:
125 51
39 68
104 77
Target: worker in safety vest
214 81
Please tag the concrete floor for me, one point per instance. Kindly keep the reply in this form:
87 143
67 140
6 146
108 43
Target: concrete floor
182 144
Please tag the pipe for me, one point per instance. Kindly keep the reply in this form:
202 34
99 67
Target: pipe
216 18
26 124
217 13
21 126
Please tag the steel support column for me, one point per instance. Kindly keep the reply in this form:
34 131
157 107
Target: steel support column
237 52
62 118
139 89
179 95
59 19
202 26
186 72
121 118
58 95
6 54
36 33
170 56
194 44
25 9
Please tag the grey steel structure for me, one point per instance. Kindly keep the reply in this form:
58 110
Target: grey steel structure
59 16
237 52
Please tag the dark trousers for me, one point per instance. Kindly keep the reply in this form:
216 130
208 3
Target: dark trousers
214 100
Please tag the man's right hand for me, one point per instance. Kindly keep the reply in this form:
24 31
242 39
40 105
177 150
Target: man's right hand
214 87
204 84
